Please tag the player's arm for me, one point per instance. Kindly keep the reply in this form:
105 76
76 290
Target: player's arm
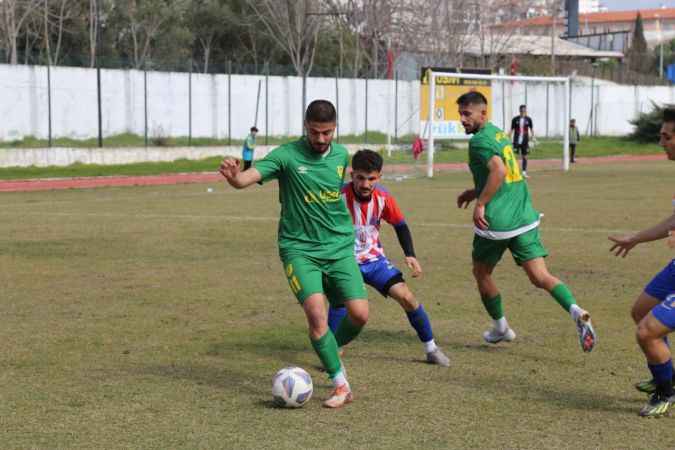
531 124
405 240
624 244
229 169
494 182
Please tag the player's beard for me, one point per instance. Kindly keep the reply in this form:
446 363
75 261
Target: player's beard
360 197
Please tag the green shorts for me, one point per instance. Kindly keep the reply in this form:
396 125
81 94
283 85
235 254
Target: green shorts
340 279
523 248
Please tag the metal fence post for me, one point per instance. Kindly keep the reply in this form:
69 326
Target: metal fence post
365 133
229 103
337 108
49 104
267 99
145 104
396 106
190 105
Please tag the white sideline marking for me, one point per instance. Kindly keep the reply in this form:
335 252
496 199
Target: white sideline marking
276 219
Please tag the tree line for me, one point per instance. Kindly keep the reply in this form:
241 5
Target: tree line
346 37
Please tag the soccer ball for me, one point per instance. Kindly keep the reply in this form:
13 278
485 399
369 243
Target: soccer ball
292 387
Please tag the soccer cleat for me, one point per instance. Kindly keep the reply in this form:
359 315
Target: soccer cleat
493 336
438 357
525 175
587 337
657 406
646 386
339 397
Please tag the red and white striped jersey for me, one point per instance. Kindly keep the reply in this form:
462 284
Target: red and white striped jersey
366 216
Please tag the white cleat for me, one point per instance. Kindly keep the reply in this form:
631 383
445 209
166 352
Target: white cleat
492 336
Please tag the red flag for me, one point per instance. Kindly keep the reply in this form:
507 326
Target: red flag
417 147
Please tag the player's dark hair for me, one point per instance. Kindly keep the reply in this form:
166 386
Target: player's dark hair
472 98
321 111
521 107
367 161
254 129
669 114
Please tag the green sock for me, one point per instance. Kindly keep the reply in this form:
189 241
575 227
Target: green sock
563 296
494 306
327 349
347 331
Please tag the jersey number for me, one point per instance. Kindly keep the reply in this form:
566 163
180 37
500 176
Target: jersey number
512 169
293 281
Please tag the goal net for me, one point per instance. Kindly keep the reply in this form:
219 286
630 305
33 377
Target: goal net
547 100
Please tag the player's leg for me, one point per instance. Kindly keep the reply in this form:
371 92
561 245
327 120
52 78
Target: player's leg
656 291
524 150
247 164
529 253
486 254
418 319
573 150
650 332
346 285
305 280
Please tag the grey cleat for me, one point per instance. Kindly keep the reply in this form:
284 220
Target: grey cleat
587 336
438 357
492 336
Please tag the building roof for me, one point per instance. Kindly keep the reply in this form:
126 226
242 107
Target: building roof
517 44
596 18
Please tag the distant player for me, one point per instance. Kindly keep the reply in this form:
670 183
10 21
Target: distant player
504 218
522 132
654 309
369 203
249 148
316 236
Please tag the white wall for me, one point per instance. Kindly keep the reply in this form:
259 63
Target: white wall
24 106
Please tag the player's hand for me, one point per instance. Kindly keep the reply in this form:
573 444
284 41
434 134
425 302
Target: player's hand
465 198
414 266
479 217
622 244
671 239
229 168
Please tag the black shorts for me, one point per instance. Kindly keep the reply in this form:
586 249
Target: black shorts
523 148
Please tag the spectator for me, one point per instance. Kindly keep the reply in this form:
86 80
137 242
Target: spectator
574 138
249 148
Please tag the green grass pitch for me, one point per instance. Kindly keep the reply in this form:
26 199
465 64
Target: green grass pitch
155 318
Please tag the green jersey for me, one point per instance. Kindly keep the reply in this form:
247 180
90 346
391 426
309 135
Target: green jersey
314 220
510 211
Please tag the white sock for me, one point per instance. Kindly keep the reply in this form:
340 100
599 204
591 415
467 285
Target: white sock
575 312
501 325
430 346
340 379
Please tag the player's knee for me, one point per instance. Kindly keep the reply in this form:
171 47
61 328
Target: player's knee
359 318
643 333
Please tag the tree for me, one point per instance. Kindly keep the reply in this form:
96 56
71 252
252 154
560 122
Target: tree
13 17
294 25
638 55
209 19
139 25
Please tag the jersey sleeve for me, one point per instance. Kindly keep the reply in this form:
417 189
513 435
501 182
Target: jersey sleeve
392 213
530 123
272 165
514 123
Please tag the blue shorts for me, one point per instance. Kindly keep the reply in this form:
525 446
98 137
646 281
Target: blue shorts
662 288
381 274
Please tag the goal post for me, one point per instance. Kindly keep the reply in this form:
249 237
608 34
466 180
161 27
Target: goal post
432 76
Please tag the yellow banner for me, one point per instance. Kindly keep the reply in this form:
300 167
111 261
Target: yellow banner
447 90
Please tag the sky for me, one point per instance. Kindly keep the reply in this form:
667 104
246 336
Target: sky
623 5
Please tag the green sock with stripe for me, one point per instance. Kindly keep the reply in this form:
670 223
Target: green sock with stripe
347 331
563 296
327 349
493 306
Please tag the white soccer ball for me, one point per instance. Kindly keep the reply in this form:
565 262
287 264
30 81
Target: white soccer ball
292 387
